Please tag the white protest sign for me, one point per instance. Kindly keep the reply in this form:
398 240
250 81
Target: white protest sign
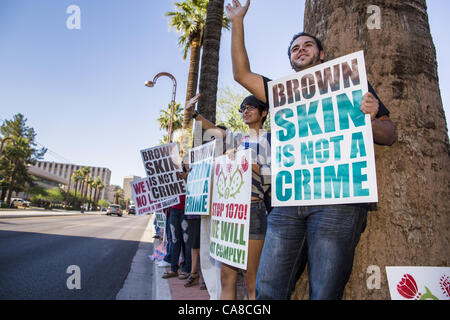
230 209
322 144
198 186
160 219
161 165
140 190
419 283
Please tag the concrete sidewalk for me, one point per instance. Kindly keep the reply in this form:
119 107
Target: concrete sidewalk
173 288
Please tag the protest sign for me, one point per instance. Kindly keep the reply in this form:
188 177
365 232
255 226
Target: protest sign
419 283
322 144
160 219
199 180
230 209
140 190
161 166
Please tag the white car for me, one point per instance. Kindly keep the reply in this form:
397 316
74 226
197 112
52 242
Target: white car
114 209
16 202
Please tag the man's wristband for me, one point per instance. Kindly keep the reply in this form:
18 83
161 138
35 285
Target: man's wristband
195 114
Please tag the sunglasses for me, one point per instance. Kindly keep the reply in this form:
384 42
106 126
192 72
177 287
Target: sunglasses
247 107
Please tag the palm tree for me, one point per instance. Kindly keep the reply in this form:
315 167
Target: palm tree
210 60
101 185
410 225
189 20
95 184
91 188
118 195
85 173
164 118
77 177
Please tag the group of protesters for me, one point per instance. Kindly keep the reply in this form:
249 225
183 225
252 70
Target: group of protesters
282 240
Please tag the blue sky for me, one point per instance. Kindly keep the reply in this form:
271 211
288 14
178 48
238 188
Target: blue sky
83 90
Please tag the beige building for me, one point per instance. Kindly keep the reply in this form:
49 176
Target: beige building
63 171
127 188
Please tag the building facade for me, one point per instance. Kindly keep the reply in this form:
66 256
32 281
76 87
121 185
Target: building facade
64 171
127 188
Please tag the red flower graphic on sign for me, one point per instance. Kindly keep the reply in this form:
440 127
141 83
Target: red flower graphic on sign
244 163
217 169
407 287
229 167
445 285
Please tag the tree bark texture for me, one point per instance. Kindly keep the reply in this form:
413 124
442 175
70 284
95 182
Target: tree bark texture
410 224
194 65
210 60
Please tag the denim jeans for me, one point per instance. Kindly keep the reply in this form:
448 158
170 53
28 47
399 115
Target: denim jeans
179 229
168 257
324 237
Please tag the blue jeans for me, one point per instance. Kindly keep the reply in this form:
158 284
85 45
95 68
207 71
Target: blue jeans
179 229
324 237
168 257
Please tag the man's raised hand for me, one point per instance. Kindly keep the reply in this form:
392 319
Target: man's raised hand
190 107
237 10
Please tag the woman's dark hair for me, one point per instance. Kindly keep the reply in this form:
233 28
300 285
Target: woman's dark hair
318 43
253 101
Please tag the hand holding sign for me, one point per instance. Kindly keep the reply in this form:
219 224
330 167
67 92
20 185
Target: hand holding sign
162 164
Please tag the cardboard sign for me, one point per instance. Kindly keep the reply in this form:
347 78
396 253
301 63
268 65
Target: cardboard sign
230 209
161 166
140 190
419 283
322 144
198 186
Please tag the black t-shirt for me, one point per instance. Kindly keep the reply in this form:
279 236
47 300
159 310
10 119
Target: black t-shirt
382 110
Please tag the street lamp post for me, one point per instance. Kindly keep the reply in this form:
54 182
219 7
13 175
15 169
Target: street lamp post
172 104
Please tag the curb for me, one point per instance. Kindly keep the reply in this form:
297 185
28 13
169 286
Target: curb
161 287
139 279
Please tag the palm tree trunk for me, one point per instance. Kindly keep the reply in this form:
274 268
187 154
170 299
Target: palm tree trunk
210 63
76 189
410 226
12 182
194 65
95 197
196 44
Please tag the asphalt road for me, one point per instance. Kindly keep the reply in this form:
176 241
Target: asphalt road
35 254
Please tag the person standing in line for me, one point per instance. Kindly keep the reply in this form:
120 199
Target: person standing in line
254 113
324 237
178 227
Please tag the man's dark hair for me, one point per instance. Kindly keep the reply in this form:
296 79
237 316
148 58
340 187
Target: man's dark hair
253 101
318 43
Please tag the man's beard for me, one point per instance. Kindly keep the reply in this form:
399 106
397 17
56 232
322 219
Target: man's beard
310 62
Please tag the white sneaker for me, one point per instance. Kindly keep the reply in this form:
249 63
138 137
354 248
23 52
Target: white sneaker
163 264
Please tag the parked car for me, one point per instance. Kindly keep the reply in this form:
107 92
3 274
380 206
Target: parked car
131 210
17 202
114 209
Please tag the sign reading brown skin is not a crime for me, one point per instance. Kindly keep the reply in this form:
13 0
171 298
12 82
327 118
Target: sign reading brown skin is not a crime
161 165
322 143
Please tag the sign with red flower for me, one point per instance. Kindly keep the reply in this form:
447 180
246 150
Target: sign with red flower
230 209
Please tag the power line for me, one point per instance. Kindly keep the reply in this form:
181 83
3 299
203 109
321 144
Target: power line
51 152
